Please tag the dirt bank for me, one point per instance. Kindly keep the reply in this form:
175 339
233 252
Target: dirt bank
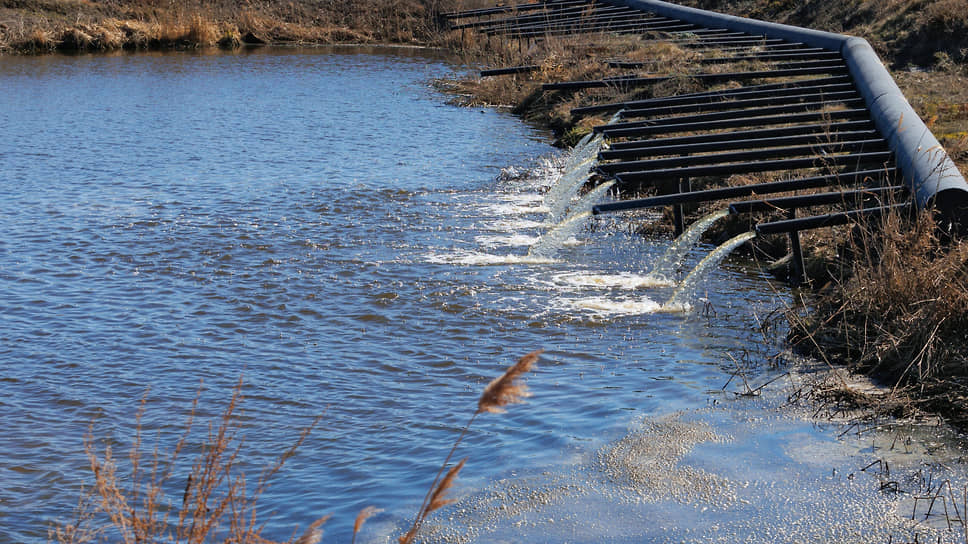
38 26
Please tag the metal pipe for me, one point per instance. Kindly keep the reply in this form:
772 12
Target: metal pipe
827 220
811 117
805 201
814 55
853 160
511 70
708 78
931 174
836 83
798 107
834 129
723 193
819 151
734 144
838 97
561 17
657 26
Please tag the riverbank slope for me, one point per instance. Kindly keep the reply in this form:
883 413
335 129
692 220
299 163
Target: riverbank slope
38 26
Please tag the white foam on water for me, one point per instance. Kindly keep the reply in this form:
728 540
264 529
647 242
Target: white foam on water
624 280
509 225
476 258
514 209
491 240
522 198
606 306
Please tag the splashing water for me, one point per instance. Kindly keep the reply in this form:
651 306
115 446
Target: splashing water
476 258
626 281
586 149
665 266
574 173
604 307
584 141
559 197
491 241
680 299
590 199
551 241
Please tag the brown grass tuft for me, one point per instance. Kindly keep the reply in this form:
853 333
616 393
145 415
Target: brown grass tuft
134 504
899 311
202 32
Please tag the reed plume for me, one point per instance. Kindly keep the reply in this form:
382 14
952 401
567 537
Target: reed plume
361 518
505 389
502 391
314 533
437 499
215 505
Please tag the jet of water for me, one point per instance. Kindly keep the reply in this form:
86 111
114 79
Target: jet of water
687 291
559 197
665 267
590 199
551 241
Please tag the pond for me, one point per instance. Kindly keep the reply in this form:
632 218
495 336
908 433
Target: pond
322 224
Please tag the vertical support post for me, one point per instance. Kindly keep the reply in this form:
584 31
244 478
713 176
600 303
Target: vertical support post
678 217
799 272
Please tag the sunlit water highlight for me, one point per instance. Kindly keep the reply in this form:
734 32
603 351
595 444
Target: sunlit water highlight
176 218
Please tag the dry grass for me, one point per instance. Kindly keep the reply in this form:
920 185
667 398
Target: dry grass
137 497
71 25
137 500
899 311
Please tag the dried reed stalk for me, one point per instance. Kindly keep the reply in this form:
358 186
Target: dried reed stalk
214 496
502 391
